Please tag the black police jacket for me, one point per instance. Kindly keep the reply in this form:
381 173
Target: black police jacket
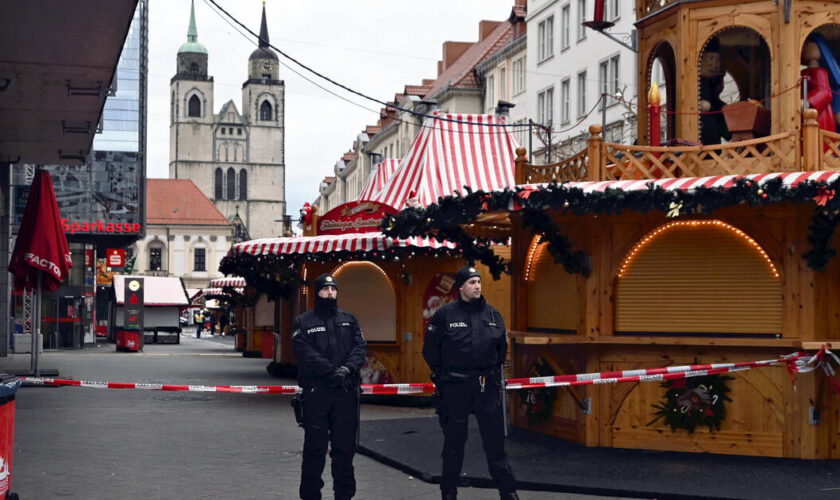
323 343
466 338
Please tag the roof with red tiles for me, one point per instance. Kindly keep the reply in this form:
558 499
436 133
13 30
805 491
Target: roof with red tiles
179 201
460 73
348 156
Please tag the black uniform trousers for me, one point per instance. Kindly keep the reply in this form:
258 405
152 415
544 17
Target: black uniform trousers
458 400
330 415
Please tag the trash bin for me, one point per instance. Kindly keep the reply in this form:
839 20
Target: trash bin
128 340
8 387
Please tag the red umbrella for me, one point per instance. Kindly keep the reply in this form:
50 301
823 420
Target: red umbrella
41 257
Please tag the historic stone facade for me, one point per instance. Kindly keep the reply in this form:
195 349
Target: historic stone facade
236 158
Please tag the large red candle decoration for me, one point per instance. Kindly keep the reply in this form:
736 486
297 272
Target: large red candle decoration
599 11
654 111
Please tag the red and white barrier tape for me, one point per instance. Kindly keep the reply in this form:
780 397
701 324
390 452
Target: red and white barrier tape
796 363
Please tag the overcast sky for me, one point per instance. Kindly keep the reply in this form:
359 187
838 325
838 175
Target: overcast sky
373 46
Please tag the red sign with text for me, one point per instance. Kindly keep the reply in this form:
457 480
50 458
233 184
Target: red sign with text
116 257
354 217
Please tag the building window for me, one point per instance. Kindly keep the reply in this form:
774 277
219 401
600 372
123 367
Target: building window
223 131
194 107
581 93
218 192
565 88
231 184
155 259
609 80
243 184
503 84
545 106
194 67
265 111
518 75
580 29
565 14
612 10
491 91
545 37
239 131
199 260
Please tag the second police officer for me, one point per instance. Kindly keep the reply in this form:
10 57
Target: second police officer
330 350
465 347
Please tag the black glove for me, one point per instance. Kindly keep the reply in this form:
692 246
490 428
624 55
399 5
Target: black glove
339 375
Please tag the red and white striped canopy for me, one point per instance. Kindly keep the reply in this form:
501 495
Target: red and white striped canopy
378 177
788 179
354 242
450 152
218 292
223 282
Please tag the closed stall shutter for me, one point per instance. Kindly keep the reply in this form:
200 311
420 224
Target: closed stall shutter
700 277
552 295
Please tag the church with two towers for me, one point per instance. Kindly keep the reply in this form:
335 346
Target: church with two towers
236 158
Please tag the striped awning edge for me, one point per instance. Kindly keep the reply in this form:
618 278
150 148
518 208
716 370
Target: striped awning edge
355 242
223 282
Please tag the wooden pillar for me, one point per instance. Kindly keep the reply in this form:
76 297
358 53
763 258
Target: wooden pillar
595 167
520 170
811 148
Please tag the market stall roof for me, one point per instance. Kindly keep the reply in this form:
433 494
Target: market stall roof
235 282
218 292
193 293
378 178
157 290
353 242
450 152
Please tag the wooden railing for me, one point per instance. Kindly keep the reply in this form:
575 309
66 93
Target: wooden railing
570 169
812 150
645 7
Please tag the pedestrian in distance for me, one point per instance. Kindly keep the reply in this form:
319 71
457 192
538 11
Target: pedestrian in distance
199 323
465 347
330 350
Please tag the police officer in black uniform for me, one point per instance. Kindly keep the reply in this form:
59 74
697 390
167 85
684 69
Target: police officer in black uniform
330 350
465 347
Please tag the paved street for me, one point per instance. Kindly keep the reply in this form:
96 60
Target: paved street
126 444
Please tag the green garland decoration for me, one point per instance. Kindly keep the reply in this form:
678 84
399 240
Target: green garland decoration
445 219
538 401
692 402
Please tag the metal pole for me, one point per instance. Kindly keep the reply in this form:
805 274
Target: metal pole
530 141
804 94
37 335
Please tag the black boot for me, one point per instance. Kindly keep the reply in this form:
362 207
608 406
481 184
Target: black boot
510 495
448 496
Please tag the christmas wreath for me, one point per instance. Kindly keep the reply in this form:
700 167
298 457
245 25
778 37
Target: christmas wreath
538 401
690 402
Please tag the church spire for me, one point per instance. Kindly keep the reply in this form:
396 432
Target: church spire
192 32
263 30
192 45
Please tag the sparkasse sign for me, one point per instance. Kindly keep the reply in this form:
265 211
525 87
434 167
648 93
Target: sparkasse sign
100 226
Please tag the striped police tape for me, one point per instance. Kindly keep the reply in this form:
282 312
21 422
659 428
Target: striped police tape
797 362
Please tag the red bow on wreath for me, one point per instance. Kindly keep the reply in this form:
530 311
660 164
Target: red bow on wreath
824 196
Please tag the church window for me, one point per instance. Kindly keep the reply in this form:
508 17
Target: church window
243 184
231 184
223 131
218 191
194 107
194 67
265 111
230 130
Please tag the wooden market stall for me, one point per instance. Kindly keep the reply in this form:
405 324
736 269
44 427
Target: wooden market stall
392 285
629 257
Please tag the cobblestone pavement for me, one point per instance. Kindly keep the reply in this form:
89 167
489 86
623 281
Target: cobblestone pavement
126 444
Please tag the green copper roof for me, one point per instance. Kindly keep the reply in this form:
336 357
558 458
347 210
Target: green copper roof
192 44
